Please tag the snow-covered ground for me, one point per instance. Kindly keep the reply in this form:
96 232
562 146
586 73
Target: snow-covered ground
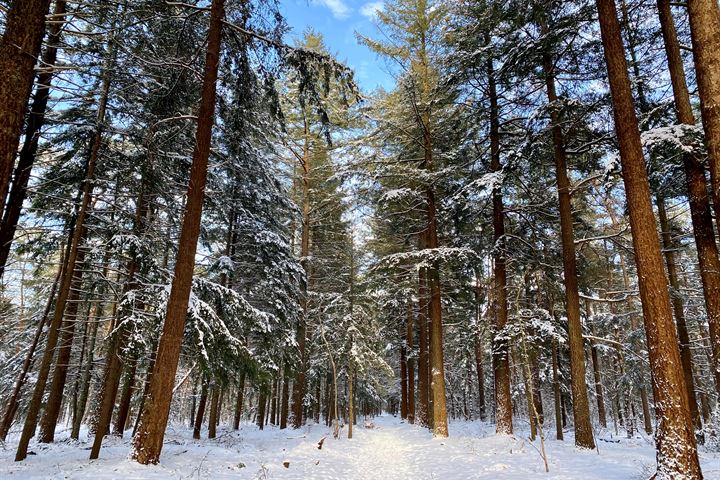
390 450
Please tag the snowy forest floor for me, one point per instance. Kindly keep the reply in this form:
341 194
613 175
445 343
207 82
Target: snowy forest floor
390 450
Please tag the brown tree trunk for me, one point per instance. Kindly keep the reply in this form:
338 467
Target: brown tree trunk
581 407
421 413
64 349
677 452
125 396
403 381
12 402
556 393
65 287
479 368
597 376
501 355
274 403
240 399
148 440
409 338
214 412
301 334
35 122
201 410
262 400
700 211
351 404
19 50
285 404
705 34
678 310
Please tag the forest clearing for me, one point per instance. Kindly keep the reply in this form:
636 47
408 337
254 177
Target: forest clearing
360 239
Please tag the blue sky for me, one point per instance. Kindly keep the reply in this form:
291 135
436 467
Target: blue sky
337 21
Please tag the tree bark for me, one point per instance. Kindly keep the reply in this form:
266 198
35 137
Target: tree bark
214 413
581 406
35 122
197 428
676 449
64 349
501 356
678 310
705 34
410 341
239 402
148 440
19 50
423 361
698 198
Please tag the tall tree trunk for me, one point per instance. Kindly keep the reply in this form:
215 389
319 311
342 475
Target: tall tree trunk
197 428
125 396
676 449
700 211
12 402
301 334
501 355
68 274
581 406
556 393
351 403
239 402
423 360
64 350
148 440
597 376
35 122
479 368
678 310
409 339
285 405
214 413
403 380
19 50
705 34
262 401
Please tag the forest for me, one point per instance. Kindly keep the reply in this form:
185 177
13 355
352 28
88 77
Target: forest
225 252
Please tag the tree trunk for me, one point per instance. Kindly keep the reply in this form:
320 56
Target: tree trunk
700 211
12 402
501 358
262 400
285 406
239 402
403 381
19 50
677 452
705 34
351 404
581 407
479 369
214 412
125 396
148 440
556 393
678 310
409 338
423 362
64 350
35 122
597 376
201 410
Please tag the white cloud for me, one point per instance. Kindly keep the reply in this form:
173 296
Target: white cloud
338 8
369 9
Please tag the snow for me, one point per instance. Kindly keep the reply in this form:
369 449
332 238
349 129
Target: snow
390 450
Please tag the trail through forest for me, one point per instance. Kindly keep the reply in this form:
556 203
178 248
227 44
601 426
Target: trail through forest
390 449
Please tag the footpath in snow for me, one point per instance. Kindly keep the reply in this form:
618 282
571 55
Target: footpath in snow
390 450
